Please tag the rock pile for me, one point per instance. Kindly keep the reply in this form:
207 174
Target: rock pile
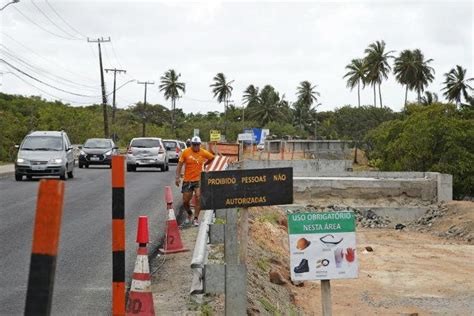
434 212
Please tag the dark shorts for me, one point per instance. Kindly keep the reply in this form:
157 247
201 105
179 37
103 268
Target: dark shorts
189 186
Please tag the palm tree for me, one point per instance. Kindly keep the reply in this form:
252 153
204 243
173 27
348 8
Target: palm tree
356 75
222 90
377 65
456 85
405 70
429 98
424 73
250 97
171 87
270 107
307 95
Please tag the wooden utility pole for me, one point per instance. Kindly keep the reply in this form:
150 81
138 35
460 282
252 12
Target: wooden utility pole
104 96
114 108
146 83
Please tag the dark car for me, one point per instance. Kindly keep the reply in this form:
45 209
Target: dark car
97 151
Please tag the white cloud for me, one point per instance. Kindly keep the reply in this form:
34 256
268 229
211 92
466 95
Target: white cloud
278 43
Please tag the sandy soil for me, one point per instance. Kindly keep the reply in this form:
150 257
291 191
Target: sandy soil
407 273
171 281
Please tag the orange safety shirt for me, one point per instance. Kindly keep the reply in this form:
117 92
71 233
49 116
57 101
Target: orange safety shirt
193 162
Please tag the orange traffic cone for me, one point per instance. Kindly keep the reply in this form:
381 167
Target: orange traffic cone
173 243
140 298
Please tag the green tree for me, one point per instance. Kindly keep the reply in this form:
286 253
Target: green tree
171 88
378 66
405 70
222 90
271 107
424 73
251 97
307 96
457 85
428 138
356 75
429 98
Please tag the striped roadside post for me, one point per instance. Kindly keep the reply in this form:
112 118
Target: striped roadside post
118 235
49 210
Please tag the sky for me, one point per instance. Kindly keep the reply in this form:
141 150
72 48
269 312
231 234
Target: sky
251 42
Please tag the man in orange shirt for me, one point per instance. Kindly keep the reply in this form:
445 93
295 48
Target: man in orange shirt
194 158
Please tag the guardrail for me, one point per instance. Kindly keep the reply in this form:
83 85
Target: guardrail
200 253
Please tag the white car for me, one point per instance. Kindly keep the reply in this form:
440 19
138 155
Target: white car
174 149
147 152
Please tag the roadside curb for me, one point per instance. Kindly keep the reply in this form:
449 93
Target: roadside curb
6 174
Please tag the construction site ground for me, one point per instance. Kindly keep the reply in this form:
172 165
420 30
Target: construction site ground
412 271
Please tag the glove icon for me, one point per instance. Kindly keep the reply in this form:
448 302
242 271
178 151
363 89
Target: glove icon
350 254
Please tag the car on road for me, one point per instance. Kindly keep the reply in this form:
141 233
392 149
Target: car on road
147 152
45 153
97 151
174 149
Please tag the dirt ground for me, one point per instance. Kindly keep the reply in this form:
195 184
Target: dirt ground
171 280
408 272
420 270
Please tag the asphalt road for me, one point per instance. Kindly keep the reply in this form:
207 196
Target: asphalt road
84 264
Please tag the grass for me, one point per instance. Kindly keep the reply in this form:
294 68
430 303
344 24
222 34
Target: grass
219 221
206 310
269 217
263 264
269 307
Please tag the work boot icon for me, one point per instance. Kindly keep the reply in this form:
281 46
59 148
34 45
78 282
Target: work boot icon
303 267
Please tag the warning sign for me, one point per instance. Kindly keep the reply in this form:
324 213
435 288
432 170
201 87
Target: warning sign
322 246
215 135
245 188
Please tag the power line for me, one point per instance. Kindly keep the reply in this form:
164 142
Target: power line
51 95
62 19
198 100
45 83
56 63
52 22
115 55
44 29
45 72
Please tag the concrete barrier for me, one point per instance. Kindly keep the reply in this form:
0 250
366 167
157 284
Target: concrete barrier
365 188
318 177
301 168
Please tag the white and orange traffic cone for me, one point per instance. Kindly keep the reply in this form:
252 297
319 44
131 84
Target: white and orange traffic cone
173 243
140 298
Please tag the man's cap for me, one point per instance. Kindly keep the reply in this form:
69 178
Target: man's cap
195 140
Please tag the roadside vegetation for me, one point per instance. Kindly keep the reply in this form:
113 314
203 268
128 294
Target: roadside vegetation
427 135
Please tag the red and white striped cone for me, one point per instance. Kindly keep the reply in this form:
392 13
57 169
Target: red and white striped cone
140 298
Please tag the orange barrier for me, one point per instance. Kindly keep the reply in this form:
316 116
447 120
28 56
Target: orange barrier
47 227
118 235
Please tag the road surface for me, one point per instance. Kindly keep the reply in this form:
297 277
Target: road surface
84 263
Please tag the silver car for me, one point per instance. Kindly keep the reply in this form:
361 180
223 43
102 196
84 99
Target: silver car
45 154
147 152
174 149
